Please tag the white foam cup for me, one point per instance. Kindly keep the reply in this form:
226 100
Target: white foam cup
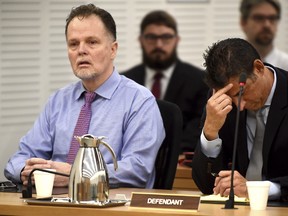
44 183
258 192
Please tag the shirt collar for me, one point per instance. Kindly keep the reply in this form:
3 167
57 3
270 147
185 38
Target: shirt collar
167 73
269 99
106 90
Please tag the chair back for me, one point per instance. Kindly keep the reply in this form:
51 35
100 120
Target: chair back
168 154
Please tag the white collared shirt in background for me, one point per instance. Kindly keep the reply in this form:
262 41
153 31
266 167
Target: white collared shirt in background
277 58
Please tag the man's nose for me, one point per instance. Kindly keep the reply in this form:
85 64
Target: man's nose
267 22
159 42
82 48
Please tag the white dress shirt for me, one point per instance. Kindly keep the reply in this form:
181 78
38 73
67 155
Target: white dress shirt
277 58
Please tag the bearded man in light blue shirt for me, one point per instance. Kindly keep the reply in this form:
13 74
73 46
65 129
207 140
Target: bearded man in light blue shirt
123 111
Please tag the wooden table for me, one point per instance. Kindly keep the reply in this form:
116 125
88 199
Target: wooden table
11 204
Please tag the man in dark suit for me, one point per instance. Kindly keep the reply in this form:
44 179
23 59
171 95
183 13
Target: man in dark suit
266 92
181 83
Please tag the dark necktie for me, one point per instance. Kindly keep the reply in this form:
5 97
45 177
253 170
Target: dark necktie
156 87
254 171
82 125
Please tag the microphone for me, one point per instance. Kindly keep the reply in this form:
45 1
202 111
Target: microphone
28 192
229 204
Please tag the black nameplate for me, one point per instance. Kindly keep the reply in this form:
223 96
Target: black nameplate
167 201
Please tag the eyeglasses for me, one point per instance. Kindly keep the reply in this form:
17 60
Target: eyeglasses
262 18
165 38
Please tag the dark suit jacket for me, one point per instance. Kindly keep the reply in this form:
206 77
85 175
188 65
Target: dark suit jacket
275 144
186 89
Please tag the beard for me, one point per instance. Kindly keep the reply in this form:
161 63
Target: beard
85 74
265 37
156 62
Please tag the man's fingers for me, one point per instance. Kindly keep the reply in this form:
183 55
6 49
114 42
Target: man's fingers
223 90
220 99
32 161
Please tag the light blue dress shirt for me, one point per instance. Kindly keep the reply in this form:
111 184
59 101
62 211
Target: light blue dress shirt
123 111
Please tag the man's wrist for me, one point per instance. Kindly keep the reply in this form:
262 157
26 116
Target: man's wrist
209 134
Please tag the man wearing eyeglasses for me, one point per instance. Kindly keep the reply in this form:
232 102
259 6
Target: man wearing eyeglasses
169 78
259 22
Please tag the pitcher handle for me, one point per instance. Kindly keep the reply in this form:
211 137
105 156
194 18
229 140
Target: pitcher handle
113 154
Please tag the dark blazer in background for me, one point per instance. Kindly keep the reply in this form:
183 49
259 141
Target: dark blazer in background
275 144
186 89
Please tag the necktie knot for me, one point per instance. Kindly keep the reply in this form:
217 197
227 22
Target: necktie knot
89 97
158 76
261 113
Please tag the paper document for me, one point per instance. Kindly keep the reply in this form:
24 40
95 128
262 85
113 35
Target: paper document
218 199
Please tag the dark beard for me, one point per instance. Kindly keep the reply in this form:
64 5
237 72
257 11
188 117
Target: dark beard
264 41
158 64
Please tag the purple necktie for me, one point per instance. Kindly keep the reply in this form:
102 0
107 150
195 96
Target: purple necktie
82 125
156 87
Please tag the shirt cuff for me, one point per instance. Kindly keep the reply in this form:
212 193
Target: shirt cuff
274 191
210 148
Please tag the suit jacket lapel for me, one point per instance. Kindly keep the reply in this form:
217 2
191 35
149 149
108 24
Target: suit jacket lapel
175 83
276 113
140 75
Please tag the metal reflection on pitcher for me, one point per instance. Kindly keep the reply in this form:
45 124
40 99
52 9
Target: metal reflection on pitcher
89 180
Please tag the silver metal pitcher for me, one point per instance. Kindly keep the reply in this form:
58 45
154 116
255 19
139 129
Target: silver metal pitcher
89 179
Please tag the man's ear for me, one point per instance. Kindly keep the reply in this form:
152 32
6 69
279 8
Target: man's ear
114 49
258 66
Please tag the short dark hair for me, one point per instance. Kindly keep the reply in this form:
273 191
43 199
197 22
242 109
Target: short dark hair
83 11
158 17
227 59
247 5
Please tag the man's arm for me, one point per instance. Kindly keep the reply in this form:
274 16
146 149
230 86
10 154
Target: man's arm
142 138
207 159
37 143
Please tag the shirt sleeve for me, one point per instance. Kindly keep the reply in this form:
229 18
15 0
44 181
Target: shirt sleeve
210 148
274 191
142 138
213 148
36 143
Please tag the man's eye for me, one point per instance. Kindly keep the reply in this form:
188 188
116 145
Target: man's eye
72 44
93 42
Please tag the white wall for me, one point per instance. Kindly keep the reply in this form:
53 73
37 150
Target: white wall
33 59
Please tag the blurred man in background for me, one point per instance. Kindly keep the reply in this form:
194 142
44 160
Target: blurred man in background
169 78
259 22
